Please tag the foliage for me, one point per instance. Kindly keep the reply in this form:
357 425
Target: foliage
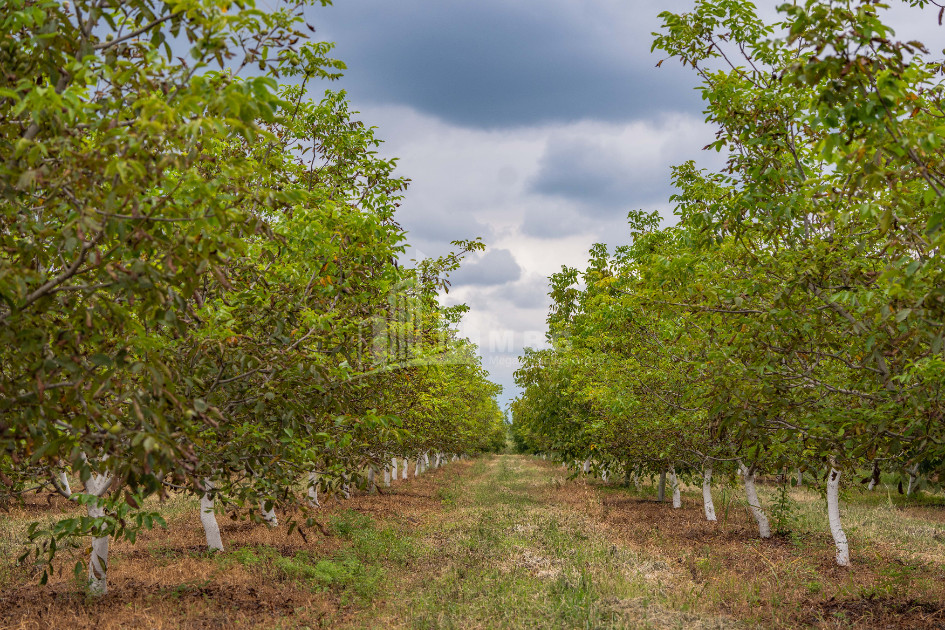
200 275
793 317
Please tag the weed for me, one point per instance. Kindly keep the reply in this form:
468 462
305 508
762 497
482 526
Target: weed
784 510
446 496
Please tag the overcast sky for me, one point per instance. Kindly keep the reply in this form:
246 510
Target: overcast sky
534 124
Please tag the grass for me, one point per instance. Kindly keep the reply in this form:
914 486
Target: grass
510 542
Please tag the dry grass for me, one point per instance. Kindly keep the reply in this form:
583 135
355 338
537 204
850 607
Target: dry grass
167 580
791 580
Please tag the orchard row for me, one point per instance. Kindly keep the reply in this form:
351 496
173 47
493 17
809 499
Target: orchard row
201 286
794 316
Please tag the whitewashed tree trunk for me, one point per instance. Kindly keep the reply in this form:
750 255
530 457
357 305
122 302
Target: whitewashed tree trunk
64 483
313 489
587 466
605 475
661 488
98 560
455 457
393 468
345 486
707 494
874 477
370 479
208 517
426 461
748 476
800 477
636 478
418 468
674 484
833 515
404 470
387 476
913 479
269 515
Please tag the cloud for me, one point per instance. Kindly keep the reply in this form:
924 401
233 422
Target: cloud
496 266
495 64
528 293
606 167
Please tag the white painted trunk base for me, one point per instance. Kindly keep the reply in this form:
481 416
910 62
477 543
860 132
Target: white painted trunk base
751 493
833 515
913 479
64 483
674 484
313 489
98 560
269 515
404 469
707 494
208 518
393 468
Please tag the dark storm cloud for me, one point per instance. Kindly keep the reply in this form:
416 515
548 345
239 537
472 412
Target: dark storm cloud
583 170
495 63
496 267
433 225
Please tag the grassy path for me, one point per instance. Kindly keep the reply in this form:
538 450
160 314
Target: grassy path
502 555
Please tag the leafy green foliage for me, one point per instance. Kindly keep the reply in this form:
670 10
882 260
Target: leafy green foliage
199 273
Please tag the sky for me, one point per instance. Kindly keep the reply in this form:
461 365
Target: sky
533 124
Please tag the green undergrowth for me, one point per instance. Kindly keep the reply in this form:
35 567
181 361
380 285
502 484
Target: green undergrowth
356 571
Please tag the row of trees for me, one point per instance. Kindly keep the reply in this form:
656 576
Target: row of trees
200 284
794 316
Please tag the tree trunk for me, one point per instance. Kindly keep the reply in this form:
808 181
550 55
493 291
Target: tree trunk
587 466
64 483
370 479
874 478
418 469
800 477
748 476
387 475
674 484
913 479
605 475
98 560
269 515
403 470
833 515
208 517
707 494
393 469
661 488
313 489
